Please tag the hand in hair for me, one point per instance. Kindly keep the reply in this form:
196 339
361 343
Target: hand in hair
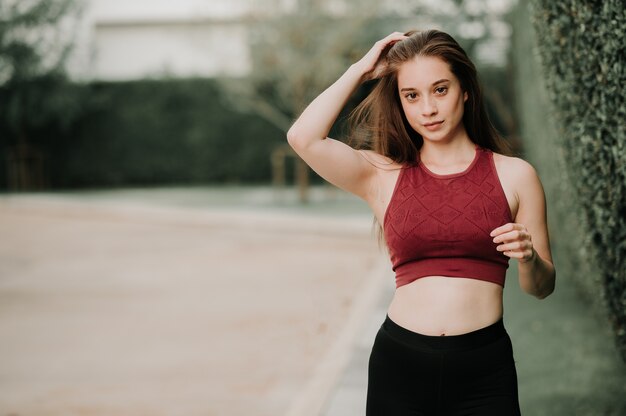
373 62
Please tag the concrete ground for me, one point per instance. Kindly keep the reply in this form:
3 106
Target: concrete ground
236 301
118 303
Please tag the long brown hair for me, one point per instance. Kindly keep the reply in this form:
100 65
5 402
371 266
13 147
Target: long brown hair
378 122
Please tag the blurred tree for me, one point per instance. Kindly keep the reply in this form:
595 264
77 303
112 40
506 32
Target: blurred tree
299 51
35 39
296 54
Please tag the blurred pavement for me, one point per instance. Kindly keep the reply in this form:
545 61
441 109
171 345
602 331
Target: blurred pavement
182 301
237 301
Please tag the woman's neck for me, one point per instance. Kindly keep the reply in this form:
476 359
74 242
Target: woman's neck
447 153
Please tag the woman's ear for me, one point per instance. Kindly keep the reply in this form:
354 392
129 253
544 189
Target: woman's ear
465 96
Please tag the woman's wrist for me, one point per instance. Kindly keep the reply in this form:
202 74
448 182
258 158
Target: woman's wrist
533 258
357 69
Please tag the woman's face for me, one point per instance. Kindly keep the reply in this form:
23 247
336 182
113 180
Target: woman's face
432 98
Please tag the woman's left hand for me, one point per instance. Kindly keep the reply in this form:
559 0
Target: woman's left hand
514 241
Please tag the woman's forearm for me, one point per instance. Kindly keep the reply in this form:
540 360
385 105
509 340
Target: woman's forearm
318 117
537 276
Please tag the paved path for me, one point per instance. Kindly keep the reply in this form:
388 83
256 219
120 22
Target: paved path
60 320
126 304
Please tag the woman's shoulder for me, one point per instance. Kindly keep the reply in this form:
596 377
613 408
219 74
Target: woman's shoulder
513 166
518 176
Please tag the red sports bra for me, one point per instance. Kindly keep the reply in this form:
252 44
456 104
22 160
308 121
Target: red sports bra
439 225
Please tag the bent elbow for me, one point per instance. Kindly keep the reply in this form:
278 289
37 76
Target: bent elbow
543 295
547 291
291 135
538 291
298 141
293 138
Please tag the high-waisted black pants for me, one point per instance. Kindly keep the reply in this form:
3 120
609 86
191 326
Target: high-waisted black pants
412 374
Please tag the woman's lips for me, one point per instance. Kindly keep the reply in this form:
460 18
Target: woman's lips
433 126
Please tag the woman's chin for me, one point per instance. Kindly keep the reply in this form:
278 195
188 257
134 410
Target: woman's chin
433 136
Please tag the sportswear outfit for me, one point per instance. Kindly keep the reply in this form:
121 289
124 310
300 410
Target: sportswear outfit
439 225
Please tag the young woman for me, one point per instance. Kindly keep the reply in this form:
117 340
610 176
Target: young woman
453 208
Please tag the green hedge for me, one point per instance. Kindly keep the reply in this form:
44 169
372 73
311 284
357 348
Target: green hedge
157 132
154 132
577 141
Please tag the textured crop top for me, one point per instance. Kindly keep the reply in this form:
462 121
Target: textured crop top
439 225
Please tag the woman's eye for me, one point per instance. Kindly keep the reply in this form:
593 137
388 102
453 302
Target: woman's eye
411 96
441 90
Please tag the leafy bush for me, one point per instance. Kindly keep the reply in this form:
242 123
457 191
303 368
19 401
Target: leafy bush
579 46
155 132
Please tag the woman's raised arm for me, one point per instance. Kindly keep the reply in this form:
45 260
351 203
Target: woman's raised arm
335 161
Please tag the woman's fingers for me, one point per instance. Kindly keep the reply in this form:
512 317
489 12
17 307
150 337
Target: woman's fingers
516 234
517 245
392 38
395 36
371 62
514 241
523 256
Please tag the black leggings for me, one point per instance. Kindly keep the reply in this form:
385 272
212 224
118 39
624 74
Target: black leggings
412 374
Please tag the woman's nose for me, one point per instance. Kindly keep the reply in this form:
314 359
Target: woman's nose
428 107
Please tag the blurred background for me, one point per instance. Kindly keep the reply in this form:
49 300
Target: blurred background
163 250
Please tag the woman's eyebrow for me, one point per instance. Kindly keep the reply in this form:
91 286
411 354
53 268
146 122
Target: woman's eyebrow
440 81
433 84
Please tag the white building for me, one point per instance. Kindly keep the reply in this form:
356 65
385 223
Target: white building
132 39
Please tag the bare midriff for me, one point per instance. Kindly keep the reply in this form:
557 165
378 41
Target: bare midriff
441 305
